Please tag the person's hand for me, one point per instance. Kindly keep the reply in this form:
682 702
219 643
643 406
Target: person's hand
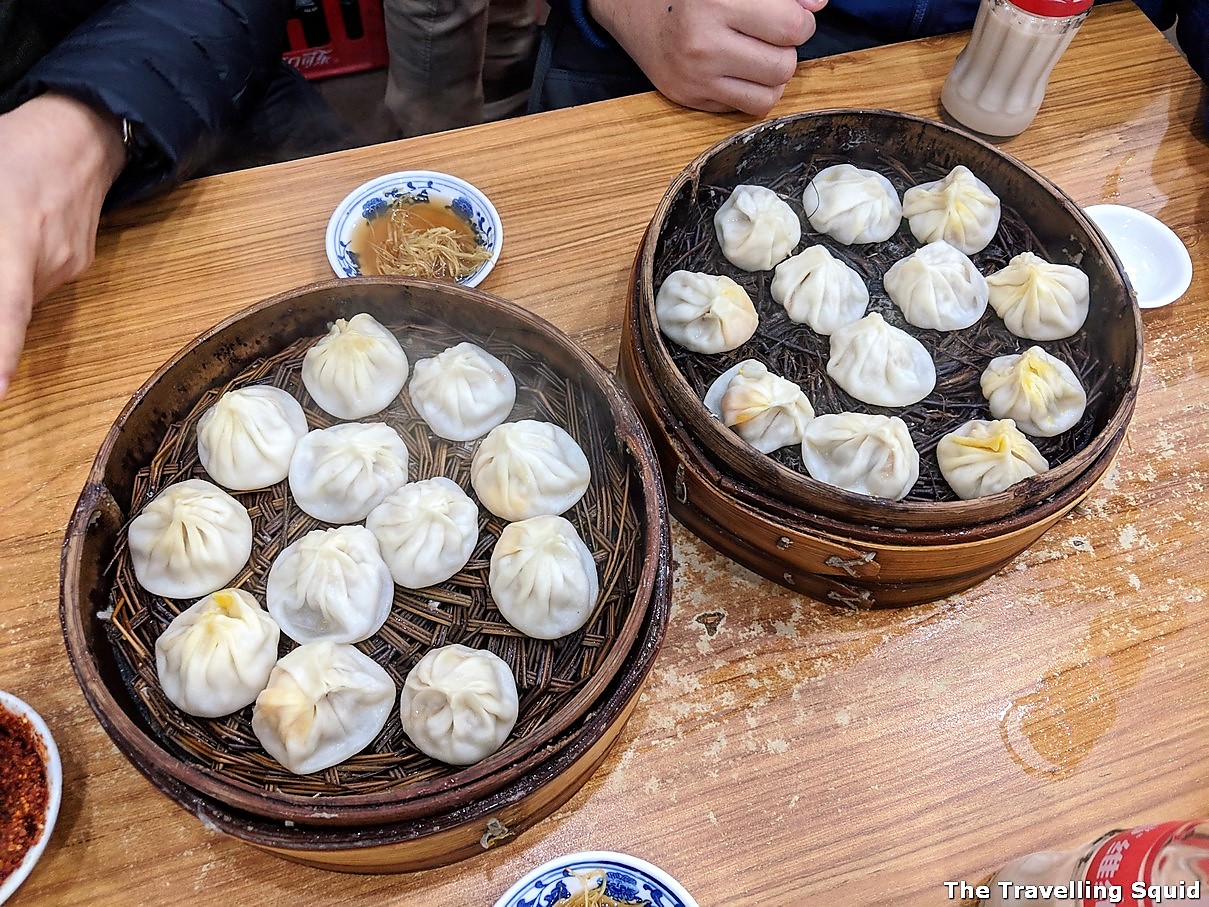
60 158
715 55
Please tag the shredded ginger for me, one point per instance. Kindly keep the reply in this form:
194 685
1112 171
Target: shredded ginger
432 252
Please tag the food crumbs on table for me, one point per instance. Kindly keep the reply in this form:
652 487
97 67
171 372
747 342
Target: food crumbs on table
593 893
418 239
24 793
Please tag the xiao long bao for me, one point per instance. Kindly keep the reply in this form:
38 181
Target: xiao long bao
340 474
427 531
246 439
880 364
937 287
985 457
324 702
459 704
1037 391
215 657
543 578
765 410
463 392
960 209
331 584
1039 300
756 228
705 313
356 370
820 291
529 468
191 539
862 453
852 205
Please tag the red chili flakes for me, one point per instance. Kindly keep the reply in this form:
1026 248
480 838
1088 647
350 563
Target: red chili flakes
24 794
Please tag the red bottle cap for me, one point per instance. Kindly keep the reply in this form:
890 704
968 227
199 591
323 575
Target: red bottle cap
1057 9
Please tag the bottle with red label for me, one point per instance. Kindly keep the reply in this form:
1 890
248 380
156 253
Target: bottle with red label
1145 866
998 82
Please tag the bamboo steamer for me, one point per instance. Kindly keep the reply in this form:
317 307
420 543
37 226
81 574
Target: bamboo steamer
766 512
462 831
386 807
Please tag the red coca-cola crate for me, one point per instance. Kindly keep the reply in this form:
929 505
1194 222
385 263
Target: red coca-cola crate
335 37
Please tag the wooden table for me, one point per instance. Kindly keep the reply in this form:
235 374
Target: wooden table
781 752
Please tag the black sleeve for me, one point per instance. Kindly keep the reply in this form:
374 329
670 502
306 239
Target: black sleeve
180 73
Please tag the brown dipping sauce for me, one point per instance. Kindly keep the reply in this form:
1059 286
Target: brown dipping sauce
24 791
370 235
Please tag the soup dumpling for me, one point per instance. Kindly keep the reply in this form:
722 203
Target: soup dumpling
880 364
190 540
427 531
852 205
529 468
459 704
1039 300
463 392
245 440
819 290
356 370
324 702
985 457
765 410
960 209
543 578
756 228
330 584
216 655
1036 390
339 474
937 287
863 453
705 313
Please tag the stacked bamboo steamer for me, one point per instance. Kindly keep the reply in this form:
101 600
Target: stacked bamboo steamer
389 808
766 512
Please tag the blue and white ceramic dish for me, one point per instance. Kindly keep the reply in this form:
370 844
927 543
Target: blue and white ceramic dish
625 878
54 783
375 197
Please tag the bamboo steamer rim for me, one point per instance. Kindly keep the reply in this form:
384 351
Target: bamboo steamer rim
83 635
798 490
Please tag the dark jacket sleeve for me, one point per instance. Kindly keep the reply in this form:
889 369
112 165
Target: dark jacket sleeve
181 73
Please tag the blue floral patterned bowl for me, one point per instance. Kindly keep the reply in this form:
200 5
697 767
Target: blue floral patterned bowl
372 198
622 877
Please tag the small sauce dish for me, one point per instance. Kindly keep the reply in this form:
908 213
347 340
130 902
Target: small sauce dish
619 876
22 730
1155 260
440 200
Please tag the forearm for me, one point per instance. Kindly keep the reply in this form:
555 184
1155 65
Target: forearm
86 139
60 158
712 55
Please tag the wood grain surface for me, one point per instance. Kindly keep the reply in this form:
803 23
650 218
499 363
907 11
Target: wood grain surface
781 751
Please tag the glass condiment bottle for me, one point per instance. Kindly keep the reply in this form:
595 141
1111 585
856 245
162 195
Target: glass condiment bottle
998 81
1139 867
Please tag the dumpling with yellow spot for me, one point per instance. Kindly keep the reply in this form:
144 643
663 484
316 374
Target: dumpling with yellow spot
215 657
766 410
960 209
985 457
1038 391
